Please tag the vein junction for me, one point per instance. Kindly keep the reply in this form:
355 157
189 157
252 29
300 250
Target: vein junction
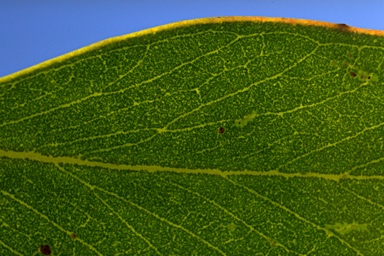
34 156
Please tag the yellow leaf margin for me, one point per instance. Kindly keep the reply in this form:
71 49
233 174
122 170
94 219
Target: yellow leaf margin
293 21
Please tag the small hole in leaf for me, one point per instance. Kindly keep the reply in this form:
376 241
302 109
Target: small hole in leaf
45 249
221 130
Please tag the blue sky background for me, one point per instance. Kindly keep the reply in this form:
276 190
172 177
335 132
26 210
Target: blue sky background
32 31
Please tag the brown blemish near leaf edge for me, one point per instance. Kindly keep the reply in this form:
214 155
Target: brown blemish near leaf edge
98 45
340 26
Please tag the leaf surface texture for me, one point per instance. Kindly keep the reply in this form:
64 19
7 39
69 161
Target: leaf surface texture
208 138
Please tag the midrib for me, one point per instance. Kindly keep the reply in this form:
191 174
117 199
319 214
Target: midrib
153 168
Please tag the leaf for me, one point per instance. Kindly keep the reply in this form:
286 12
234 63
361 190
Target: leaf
226 136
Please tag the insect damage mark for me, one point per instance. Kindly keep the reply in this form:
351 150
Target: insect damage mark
353 71
345 228
363 75
247 118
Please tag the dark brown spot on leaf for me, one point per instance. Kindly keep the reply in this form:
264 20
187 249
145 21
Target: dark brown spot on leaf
221 130
73 236
45 249
353 74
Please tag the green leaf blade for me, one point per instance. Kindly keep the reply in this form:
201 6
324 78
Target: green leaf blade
210 138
